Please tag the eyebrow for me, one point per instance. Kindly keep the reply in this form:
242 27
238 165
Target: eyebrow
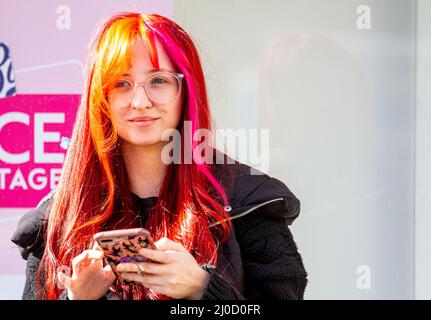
151 71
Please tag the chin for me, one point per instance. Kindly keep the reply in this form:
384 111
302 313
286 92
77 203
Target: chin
144 141
140 138
147 143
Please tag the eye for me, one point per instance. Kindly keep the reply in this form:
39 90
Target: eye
158 80
122 84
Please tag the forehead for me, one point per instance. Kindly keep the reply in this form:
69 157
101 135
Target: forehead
140 57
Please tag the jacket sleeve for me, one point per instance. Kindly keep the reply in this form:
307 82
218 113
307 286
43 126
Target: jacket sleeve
32 265
28 236
29 293
30 240
273 267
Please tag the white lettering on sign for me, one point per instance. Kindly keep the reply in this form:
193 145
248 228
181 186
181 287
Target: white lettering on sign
22 173
37 179
17 158
18 181
41 136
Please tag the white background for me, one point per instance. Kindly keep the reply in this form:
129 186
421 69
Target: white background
340 106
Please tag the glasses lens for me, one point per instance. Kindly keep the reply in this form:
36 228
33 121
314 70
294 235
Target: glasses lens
163 88
121 92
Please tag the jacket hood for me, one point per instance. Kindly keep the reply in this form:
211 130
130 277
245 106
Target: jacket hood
28 234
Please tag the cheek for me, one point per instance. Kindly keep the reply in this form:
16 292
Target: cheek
119 120
119 112
173 116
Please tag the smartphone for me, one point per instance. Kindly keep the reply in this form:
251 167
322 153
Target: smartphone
123 245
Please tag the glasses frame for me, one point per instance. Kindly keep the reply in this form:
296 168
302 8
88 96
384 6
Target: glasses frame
179 76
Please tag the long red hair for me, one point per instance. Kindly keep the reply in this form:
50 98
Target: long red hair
93 193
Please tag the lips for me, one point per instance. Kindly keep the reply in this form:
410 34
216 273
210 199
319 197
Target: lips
141 119
143 122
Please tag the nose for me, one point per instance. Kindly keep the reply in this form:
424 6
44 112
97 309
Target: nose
140 99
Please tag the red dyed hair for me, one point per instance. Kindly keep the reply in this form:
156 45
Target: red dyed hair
93 193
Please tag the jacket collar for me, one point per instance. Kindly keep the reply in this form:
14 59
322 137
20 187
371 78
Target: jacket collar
250 191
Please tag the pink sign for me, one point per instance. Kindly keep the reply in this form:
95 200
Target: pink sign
31 129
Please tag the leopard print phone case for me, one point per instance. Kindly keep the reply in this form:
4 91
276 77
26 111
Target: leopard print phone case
123 246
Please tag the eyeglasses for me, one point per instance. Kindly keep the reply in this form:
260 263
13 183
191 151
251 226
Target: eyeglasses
161 88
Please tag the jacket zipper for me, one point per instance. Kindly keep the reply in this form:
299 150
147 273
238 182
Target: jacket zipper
239 215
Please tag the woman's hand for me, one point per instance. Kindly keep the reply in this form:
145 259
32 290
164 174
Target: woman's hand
173 271
90 280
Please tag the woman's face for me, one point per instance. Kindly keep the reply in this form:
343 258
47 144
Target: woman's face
159 117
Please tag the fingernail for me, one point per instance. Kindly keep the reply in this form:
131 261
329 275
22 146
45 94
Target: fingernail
60 278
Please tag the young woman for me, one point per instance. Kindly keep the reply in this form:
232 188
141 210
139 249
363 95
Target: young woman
222 231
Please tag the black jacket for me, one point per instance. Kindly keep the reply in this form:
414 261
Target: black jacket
259 261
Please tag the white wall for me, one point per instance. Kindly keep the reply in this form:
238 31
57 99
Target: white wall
339 103
423 146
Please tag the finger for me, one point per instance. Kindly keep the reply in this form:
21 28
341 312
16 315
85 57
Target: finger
127 267
131 276
109 273
96 246
157 255
147 280
152 282
64 280
86 258
95 255
77 261
107 268
96 259
168 244
149 268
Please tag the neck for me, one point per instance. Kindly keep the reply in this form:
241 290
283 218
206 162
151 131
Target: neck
144 167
